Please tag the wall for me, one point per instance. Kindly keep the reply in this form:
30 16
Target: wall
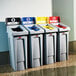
21 8
3 37
74 19
64 9
4 54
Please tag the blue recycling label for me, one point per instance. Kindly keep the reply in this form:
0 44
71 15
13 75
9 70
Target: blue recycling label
28 20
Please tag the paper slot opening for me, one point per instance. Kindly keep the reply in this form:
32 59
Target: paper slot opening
17 29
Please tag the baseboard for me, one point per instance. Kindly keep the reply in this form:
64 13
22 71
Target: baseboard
4 58
72 46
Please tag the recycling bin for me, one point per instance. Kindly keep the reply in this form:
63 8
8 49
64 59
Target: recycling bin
49 41
17 40
35 42
62 38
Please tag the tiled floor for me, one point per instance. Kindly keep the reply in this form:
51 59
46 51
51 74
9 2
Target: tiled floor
65 68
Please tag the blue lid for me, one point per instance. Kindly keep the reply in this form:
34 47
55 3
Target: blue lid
28 20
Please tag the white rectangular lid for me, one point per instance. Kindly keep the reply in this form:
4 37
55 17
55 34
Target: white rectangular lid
48 28
34 29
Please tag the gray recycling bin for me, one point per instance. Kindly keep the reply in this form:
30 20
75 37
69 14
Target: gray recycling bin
49 37
35 52
17 40
62 41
